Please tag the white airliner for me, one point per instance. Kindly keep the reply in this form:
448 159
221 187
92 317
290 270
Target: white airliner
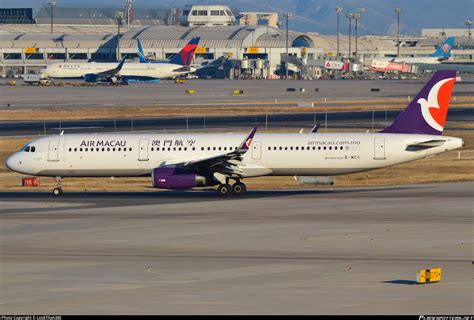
125 71
442 53
185 161
130 70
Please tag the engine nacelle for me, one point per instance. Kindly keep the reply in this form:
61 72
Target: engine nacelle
90 78
176 178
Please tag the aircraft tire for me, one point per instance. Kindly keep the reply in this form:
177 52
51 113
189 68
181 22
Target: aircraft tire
57 191
224 190
239 188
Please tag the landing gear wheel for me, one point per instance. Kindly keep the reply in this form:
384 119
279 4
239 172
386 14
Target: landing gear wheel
57 191
224 190
239 188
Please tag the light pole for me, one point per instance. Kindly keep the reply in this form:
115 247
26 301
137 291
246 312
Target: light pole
397 10
338 11
287 15
119 16
469 24
356 16
52 4
129 9
350 16
358 19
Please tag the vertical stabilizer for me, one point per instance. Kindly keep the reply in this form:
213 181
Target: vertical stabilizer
444 50
426 113
185 57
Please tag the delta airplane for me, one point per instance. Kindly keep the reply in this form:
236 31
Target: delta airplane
131 71
185 57
441 54
185 161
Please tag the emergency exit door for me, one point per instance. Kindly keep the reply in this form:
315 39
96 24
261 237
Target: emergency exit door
53 150
379 149
143 150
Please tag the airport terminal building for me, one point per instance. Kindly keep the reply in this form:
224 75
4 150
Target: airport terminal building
248 50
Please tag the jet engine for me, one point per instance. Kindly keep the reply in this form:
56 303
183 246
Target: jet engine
176 178
90 78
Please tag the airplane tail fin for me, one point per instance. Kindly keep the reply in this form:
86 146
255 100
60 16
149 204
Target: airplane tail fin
444 50
185 57
141 55
426 113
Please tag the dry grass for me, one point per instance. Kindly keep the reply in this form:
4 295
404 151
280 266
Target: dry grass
247 108
443 168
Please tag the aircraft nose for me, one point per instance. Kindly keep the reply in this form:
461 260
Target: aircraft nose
13 163
44 72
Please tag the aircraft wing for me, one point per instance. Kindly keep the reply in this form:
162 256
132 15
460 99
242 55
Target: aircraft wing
226 164
112 72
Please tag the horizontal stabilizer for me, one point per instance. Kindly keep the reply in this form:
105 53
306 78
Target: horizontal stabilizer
429 144
183 69
416 146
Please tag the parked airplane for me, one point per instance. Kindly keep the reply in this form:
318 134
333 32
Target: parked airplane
184 57
185 161
442 53
129 71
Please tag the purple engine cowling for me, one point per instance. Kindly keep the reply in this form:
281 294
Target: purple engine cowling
176 178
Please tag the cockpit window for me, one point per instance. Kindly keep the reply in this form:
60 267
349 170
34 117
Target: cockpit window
28 148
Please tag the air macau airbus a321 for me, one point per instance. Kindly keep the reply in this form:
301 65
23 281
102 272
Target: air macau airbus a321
185 161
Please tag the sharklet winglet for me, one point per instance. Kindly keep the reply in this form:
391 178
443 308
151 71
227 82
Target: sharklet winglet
245 145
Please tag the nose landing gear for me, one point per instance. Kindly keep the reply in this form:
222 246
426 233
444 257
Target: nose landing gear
58 190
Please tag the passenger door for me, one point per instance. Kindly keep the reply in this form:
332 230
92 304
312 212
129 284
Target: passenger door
379 149
53 150
257 150
143 150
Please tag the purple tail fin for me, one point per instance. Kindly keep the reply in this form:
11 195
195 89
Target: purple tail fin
426 113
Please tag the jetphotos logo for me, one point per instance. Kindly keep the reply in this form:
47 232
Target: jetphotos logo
435 107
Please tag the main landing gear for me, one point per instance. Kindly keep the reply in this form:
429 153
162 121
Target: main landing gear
58 190
237 189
